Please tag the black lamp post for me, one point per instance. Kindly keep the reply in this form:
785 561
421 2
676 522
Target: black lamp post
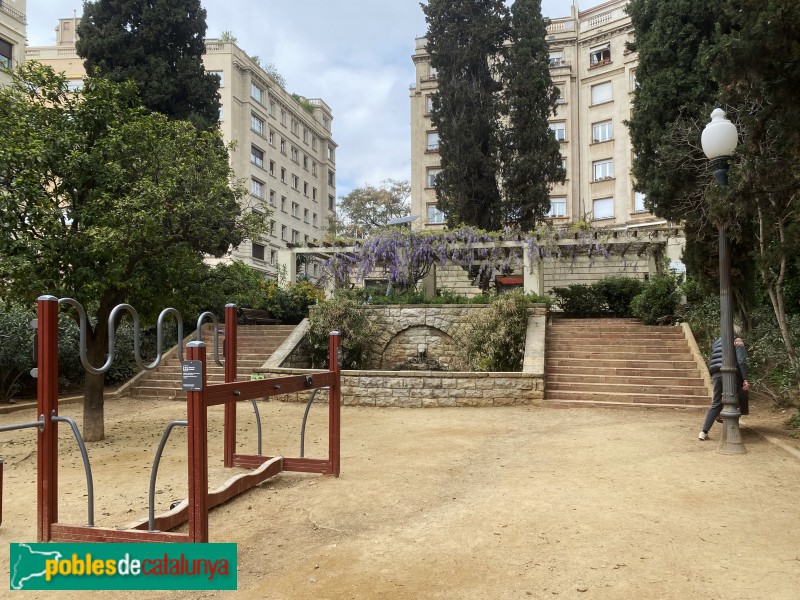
719 140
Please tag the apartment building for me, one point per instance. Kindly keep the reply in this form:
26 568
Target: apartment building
12 36
284 153
596 75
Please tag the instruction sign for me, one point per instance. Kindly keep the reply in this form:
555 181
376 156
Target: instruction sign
192 371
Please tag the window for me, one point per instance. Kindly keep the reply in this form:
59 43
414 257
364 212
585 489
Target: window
331 202
314 219
272 168
73 85
295 236
283 117
564 164
256 93
314 168
271 138
433 141
428 104
603 169
314 269
305 135
556 58
283 146
256 124
272 197
272 257
314 194
562 95
634 81
331 177
431 179
314 142
434 214
295 154
602 132
558 207
295 181
330 153
305 215
283 174
258 252
272 228
559 130
220 74
256 157
221 114
305 162
601 93
295 209
257 188
305 189
603 208
600 55
283 232
271 107
305 240
431 72
295 127
326 123
283 203
638 202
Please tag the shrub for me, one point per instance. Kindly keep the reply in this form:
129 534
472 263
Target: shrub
340 313
289 304
494 340
659 298
580 300
618 293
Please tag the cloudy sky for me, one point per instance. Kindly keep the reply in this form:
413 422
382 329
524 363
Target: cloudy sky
354 54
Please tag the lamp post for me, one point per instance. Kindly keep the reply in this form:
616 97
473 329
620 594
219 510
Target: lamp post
719 140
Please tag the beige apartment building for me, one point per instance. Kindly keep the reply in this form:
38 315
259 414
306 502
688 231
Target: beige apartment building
595 74
12 36
284 153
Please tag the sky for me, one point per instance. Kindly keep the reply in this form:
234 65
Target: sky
354 54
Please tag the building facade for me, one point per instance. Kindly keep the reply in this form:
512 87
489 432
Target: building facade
284 149
596 75
12 36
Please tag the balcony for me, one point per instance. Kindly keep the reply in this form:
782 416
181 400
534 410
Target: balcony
13 12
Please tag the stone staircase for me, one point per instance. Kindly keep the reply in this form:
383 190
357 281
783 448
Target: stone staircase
256 344
620 363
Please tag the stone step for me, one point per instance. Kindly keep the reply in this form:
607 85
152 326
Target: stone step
661 381
599 336
665 398
575 341
624 372
626 388
572 403
614 354
588 365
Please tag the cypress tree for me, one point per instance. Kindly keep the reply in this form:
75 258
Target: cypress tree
159 44
465 42
533 155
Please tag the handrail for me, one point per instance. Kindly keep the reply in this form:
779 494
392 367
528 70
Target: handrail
258 423
215 321
83 322
154 472
40 424
86 466
305 417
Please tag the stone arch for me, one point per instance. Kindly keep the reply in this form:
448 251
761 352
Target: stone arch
405 344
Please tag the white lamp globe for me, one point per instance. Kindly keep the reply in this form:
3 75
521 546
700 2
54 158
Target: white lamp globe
720 137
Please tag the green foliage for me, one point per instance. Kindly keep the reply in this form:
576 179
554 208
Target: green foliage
366 210
618 293
659 298
793 422
271 70
160 46
533 156
342 314
494 340
16 360
702 314
610 297
290 303
465 42
307 106
228 37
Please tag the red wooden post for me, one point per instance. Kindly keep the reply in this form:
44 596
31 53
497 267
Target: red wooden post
229 419
1 492
197 417
334 401
47 395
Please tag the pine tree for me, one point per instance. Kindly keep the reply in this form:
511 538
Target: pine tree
159 44
465 42
533 155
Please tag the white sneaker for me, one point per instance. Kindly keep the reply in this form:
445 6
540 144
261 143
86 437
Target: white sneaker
703 435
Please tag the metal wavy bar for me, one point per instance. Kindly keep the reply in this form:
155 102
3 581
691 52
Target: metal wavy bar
136 331
213 317
86 466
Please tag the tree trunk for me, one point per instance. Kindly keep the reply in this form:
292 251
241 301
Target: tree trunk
93 421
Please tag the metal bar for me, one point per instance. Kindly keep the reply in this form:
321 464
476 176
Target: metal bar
258 425
230 353
334 402
198 450
215 322
47 404
305 418
86 466
39 424
154 471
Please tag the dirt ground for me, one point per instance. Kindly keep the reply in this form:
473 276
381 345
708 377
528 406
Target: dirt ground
478 503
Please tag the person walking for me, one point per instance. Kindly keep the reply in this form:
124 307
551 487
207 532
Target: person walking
714 366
